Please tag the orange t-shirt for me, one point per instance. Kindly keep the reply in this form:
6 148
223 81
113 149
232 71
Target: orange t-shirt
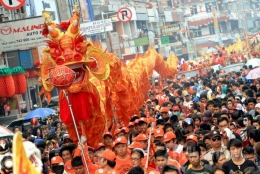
175 163
102 171
123 166
151 163
92 167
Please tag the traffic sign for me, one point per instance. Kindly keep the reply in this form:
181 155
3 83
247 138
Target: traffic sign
124 14
12 4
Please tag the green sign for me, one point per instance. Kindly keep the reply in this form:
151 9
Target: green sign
165 40
190 48
142 41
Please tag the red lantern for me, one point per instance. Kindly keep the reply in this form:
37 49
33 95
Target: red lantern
7 87
34 122
19 83
19 80
62 77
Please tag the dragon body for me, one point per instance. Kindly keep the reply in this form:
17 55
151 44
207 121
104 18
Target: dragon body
104 87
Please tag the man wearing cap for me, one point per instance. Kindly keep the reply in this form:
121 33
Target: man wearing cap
143 125
123 162
118 133
215 142
170 142
108 139
57 165
158 134
164 111
142 138
100 147
107 162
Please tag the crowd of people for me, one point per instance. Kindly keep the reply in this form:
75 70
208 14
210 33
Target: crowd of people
197 125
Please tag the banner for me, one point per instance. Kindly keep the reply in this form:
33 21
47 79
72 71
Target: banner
216 27
21 34
168 29
96 27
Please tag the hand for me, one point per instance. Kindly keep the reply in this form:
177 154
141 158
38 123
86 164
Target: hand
224 134
80 146
83 139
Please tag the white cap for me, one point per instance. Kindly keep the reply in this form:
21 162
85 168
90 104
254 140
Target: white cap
257 105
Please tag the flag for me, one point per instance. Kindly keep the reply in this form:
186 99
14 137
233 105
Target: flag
21 164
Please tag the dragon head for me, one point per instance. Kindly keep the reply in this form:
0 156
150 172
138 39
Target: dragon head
68 47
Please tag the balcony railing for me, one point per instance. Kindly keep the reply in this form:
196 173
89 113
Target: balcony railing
211 38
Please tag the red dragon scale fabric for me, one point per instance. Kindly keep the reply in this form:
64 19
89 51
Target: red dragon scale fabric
100 86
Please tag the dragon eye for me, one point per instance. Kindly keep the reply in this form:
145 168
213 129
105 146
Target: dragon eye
60 60
77 57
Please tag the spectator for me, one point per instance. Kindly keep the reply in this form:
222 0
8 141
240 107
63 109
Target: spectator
237 162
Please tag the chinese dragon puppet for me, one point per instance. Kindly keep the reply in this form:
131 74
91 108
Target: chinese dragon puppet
102 87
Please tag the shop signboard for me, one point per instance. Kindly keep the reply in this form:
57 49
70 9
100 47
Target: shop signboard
96 27
169 29
165 40
142 41
21 34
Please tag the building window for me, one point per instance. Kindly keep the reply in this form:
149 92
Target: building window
208 7
141 24
194 10
197 33
212 30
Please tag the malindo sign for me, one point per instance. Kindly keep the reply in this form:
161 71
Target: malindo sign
96 27
21 34
168 29
27 33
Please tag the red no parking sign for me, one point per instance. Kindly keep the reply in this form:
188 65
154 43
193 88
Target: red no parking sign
12 4
124 14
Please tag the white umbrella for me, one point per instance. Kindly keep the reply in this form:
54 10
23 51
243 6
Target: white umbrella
155 74
254 62
212 49
4 132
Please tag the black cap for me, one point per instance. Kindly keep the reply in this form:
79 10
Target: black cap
214 133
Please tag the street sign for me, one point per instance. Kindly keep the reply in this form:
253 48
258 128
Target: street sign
12 4
124 14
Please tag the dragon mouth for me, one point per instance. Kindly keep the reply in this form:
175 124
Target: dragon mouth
79 69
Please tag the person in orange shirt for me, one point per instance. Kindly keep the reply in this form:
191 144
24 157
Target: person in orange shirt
78 165
68 168
123 162
107 162
174 148
57 165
